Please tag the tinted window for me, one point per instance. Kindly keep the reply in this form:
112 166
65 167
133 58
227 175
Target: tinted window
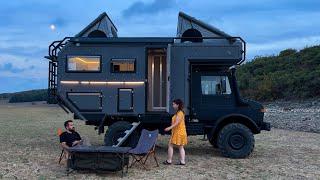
215 85
83 63
122 65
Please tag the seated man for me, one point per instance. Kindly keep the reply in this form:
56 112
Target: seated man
70 137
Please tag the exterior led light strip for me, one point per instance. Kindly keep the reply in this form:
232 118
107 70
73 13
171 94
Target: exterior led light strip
125 82
97 82
85 82
69 82
103 82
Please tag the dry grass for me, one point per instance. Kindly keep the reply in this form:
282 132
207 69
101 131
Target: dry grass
29 150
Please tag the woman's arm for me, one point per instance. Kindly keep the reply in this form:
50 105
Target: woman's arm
176 122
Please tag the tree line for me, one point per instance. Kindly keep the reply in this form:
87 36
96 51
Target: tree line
290 75
26 96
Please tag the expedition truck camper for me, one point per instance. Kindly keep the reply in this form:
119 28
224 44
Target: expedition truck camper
128 83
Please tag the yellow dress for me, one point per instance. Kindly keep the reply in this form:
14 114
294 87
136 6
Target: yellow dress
179 133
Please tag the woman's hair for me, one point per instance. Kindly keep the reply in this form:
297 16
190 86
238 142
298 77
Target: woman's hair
179 102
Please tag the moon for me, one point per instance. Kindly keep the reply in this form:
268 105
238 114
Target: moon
52 27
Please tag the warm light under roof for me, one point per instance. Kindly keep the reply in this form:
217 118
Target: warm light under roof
69 82
98 82
87 62
103 82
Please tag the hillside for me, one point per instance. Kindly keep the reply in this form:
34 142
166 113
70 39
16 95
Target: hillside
290 75
26 96
5 96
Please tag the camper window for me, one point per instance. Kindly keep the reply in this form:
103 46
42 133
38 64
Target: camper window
83 63
215 85
123 65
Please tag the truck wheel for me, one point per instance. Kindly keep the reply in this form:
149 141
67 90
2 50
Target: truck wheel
235 141
116 130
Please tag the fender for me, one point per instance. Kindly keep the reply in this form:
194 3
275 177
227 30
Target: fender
228 118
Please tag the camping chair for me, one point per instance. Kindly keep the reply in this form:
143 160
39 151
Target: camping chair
59 132
145 147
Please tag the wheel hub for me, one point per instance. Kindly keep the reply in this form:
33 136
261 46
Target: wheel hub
236 141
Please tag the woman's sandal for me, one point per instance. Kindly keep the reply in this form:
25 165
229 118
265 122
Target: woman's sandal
166 162
180 163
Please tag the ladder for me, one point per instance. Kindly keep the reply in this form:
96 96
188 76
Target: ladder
52 82
54 48
127 134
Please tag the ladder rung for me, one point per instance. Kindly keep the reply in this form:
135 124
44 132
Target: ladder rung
120 139
135 123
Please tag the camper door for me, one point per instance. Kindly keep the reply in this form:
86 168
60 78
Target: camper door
157 79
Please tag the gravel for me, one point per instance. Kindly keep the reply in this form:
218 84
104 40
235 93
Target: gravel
294 115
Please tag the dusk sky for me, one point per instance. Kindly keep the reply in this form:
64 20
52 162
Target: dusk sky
268 26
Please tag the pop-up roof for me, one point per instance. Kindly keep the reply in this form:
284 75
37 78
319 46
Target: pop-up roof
191 27
187 26
102 26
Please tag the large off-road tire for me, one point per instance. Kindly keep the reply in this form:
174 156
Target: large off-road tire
235 141
116 130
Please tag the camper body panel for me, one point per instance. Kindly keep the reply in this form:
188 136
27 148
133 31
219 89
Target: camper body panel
110 92
178 71
107 50
106 98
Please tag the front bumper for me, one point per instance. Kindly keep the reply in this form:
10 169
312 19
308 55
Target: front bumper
266 126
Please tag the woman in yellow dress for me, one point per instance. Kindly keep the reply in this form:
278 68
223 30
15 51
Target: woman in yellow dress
178 133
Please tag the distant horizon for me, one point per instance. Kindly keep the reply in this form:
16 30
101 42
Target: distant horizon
268 26
22 91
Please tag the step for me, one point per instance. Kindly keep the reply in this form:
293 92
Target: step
127 134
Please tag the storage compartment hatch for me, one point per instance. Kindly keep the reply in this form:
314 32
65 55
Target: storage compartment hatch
86 101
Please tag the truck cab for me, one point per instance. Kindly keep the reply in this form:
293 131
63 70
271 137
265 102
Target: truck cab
129 83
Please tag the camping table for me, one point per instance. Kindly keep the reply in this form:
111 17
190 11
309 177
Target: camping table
118 151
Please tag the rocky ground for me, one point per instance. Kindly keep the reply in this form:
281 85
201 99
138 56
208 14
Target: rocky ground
294 115
30 150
